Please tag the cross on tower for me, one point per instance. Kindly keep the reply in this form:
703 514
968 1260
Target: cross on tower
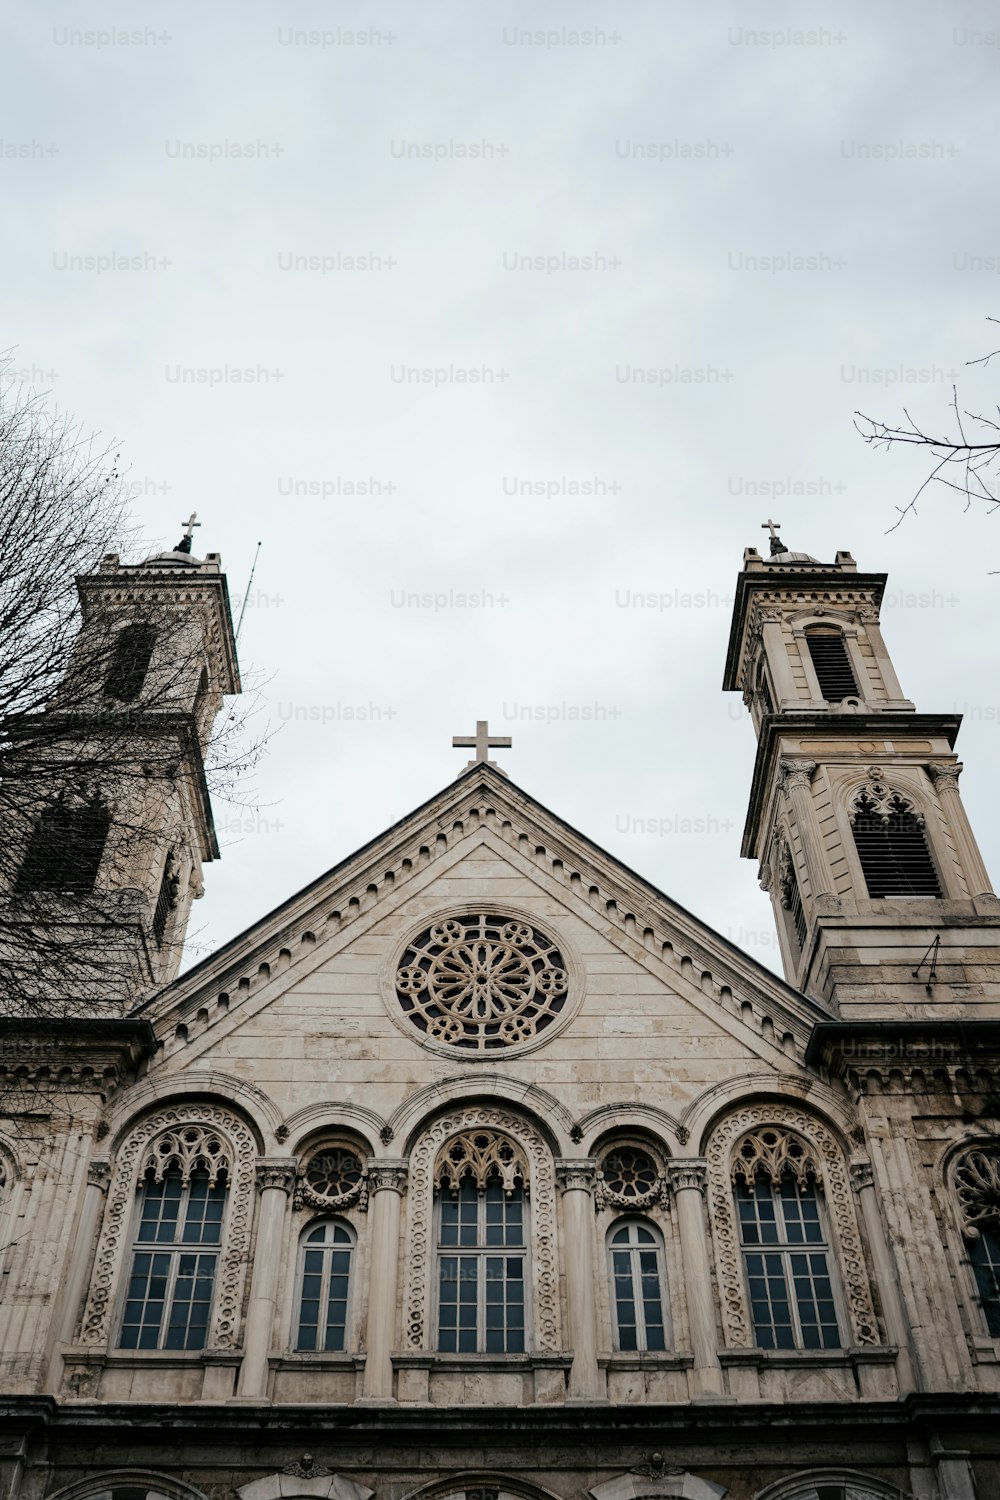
482 742
184 545
777 545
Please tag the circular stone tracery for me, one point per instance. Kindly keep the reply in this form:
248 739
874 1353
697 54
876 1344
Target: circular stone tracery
482 982
630 1177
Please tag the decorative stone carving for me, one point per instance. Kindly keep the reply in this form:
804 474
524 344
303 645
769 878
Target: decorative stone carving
656 1467
977 1183
98 1173
775 1152
307 1468
692 1173
333 1177
862 1175
383 1177
878 798
140 1150
482 983
819 1143
192 1148
481 1154
540 1184
945 778
787 879
275 1173
576 1176
795 773
629 1178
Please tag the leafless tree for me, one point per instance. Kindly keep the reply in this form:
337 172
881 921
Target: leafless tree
971 468
91 774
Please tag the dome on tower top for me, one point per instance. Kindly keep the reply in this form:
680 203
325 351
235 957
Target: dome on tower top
792 557
175 559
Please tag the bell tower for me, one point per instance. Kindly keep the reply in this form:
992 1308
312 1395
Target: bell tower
883 905
114 819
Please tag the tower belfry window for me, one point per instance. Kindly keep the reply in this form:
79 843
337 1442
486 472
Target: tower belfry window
892 845
65 848
791 897
129 663
832 665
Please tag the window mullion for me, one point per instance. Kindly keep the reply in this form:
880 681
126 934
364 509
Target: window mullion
168 1296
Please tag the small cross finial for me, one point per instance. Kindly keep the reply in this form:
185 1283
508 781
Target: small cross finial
777 545
184 545
482 742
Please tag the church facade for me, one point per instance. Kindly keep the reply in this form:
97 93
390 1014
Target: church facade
482 1169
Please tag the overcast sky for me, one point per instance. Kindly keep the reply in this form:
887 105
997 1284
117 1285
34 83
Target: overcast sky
778 213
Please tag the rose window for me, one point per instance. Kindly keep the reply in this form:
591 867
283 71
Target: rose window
482 983
630 1178
333 1178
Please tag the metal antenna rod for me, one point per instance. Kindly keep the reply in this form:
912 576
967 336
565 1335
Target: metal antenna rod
246 596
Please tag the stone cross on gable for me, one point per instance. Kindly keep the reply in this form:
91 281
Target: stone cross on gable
482 742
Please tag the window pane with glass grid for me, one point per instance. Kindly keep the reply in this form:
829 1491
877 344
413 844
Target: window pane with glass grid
481 1296
638 1295
791 1294
170 1292
326 1281
984 1253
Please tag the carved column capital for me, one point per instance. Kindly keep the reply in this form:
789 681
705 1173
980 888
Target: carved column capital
387 1176
862 1175
691 1172
576 1174
945 778
795 773
276 1172
99 1173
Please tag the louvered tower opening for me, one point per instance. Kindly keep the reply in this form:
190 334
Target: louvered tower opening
832 665
130 662
791 900
893 851
65 849
165 901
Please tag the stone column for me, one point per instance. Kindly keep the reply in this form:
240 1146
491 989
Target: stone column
386 1186
687 1184
98 1178
275 1180
896 1327
576 1181
945 779
794 779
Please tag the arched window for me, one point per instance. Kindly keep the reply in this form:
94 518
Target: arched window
786 1253
635 1259
326 1251
66 846
892 844
133 651
176 1241
977 1182
832 665
482 1253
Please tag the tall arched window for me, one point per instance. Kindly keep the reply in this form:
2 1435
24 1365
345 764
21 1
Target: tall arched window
977 1182
482 1247
635 1259
786 1252
176 1243
326 1251
133 651
892 844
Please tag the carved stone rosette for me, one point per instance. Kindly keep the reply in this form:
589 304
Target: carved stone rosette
630 1178
819 1143
142 1146
541 1188
334 1177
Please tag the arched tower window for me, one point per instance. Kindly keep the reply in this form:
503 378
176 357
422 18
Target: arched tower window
785 1248
66 846
831 663
892 844
482 1248
635 1262
977 1183
133 651
326 1253
177 1237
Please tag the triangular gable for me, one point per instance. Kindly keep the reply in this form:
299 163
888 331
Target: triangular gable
484 805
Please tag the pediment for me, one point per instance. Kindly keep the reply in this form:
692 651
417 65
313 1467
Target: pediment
486 837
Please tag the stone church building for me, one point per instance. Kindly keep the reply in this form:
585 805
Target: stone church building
482 1170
